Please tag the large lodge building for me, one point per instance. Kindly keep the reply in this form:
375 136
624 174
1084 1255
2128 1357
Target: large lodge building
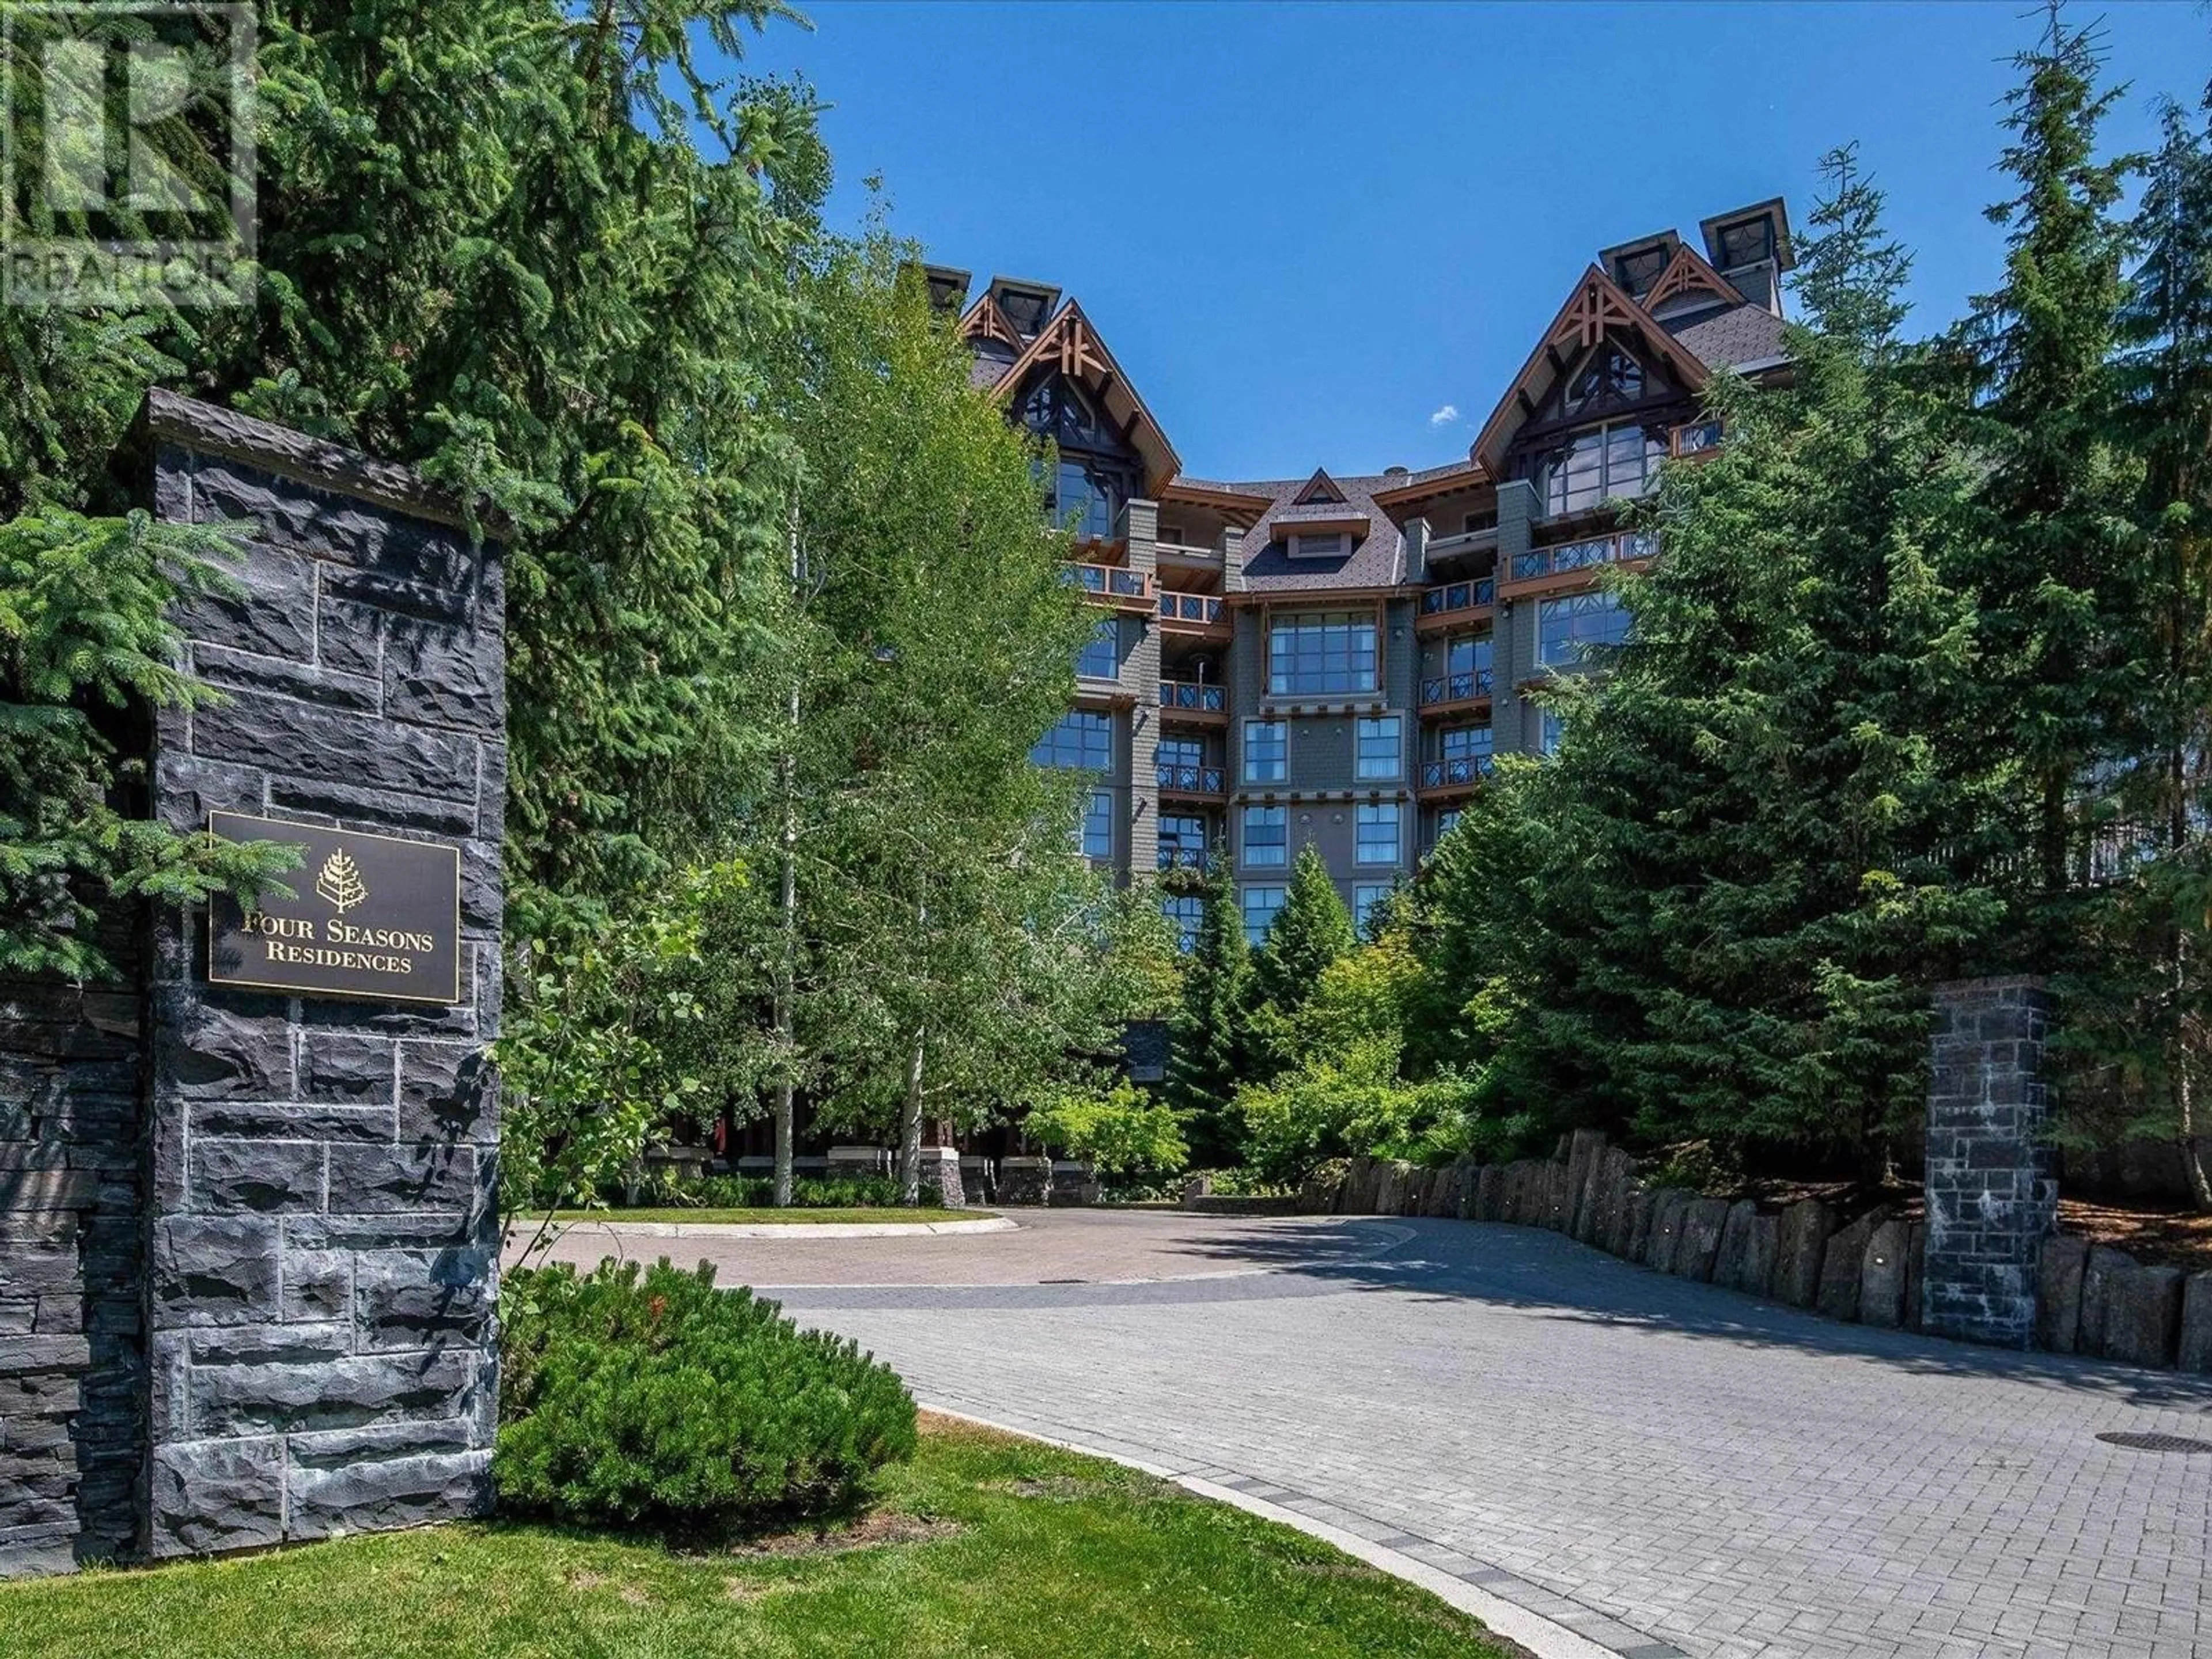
1335 660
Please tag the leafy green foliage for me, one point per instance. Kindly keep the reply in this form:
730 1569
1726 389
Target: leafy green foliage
1339 1103
86 648
630 1397
1120 1131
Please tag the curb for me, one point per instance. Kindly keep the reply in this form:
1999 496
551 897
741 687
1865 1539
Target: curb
1460 1587
996 1223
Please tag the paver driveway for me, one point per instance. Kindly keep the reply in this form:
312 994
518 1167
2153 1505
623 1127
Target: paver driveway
1660 1466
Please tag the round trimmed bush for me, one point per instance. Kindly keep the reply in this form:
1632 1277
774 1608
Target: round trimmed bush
654 1398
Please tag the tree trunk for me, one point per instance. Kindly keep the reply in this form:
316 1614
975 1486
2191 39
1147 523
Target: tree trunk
787 972
910 1127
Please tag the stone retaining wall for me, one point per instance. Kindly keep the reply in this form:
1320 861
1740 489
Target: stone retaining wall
2091 1301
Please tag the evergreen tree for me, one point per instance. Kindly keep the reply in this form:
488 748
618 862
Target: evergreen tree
1207 1056
1311 930
1714 913
2057 574
2135 1042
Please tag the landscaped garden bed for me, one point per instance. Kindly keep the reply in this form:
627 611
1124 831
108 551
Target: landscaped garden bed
982 1544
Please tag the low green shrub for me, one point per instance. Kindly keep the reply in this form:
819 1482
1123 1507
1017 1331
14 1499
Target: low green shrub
665 1191
652 1398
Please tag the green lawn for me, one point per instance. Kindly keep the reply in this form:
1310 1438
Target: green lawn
1023 1552
791 1218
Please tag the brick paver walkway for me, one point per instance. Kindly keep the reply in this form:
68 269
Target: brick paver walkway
1663 1467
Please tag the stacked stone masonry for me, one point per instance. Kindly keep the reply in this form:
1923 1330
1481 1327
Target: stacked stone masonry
251 1239
2099 1303
1992 1186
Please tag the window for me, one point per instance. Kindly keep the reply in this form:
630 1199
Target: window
1746 243
1469 653
1599 464
1376 742
1447 821
1181 752
1322 652
1267 751
1101 656
1082 741
1086 499
1547 737
1365 895
1611 378
1098 824
1465 753
1259 905
1376 833
1638 269
1268 836
1568 628
1475 524
1186 911
1183 840
1327 544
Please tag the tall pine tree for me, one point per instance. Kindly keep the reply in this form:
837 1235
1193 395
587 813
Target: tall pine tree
2054 565
1207 1058
2137 1041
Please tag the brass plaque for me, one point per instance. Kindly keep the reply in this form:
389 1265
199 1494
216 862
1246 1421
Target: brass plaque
375 917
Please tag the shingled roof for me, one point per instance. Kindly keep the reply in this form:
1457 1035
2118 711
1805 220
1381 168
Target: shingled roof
1736 335
1377 558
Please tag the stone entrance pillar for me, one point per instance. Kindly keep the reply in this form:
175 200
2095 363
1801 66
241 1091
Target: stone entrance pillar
322 1233
1992 1186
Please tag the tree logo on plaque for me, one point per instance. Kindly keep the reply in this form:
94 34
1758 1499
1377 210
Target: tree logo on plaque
340 882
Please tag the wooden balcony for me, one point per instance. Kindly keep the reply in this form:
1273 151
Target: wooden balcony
1456 694
1205 782
1693 440
1573 565
1193 700
1204 614
1114 584
1454 605
1457 776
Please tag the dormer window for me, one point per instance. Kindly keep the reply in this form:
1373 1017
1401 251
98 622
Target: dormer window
1025 306
1746 242
1321 544
1636 271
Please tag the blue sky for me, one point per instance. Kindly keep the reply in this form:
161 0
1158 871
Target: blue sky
1305 229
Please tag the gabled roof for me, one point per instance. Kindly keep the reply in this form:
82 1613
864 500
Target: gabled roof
985 321
1321 488
1070 344
1598 308
1688 273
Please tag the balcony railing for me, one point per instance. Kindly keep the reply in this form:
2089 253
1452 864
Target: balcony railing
1201 609
1542 562
1456 688
1182 857
1444 773
1195 779
1459 596
1193 694
1697 438
1111 580
1464 541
